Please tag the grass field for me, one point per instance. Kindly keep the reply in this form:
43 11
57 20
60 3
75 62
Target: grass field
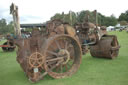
92 71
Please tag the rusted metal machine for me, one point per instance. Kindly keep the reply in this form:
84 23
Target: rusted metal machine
8 46
56 52
101 44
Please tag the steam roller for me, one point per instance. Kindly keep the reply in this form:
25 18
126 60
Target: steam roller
96 38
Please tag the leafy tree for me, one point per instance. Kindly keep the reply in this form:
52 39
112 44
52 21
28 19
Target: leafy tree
10 27
123 16
110 21
5 28
70 17
123 23
81 16
57 16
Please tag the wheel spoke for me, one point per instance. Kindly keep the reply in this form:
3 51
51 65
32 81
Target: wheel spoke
57 68
49 57
39 63
32 58
53 53
69 46
66 68
69 64
36 55
55 59
66 45
50 63
52 47
40 58
57 44
34 62
61 68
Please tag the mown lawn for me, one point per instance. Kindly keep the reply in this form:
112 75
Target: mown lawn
92 71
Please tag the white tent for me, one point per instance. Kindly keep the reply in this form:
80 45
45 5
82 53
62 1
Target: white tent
118 25
110 28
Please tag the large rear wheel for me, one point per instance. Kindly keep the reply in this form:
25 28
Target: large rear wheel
63 56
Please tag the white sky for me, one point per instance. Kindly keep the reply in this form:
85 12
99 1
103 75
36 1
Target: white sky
39 11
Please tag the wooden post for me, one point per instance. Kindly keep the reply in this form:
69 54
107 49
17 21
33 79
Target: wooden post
70 15
96 18
63 17
16 21
87 16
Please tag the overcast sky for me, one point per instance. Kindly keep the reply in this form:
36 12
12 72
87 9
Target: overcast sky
39 11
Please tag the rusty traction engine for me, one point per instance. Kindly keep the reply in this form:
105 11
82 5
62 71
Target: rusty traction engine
56 52
101 44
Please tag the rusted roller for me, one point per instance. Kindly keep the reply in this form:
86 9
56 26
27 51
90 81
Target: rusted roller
63 56
107 47
8 46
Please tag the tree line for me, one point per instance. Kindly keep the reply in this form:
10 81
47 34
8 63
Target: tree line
74 18
81 16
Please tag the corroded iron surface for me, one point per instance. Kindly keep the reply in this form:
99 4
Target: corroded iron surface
87 34
56 52
9 44
107 47
100 43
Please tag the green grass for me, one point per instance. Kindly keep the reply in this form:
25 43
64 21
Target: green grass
92 71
